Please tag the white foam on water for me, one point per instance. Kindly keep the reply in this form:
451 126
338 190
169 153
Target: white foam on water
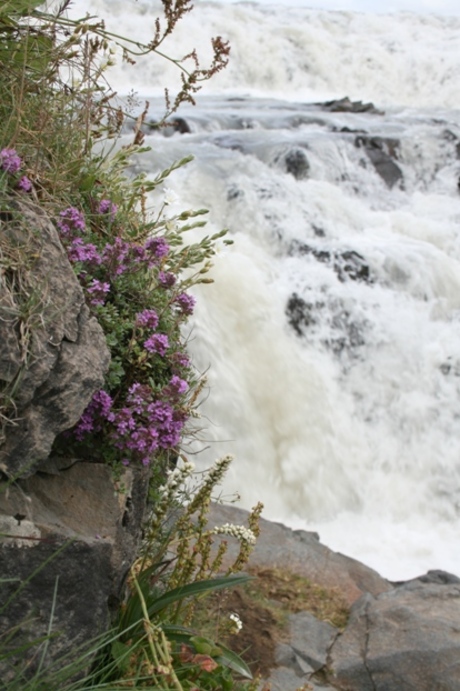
297 53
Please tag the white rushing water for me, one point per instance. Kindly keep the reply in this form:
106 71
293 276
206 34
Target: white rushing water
332 331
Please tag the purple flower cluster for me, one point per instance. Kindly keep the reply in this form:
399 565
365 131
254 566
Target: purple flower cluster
146 424
147 417
157 343
186 303
107 207
98 410
156 247
10 162
180 359
166 279
80 251
141 427
176 387
122 256
147 318
24 184
117 257
71 222
98 292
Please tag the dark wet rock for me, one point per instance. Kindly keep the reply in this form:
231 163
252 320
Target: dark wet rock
301 313
435 576
179 125
351 264
344 105
346 333
348 130
449 136
234 192
295 162
382 152
319 232
56 368
348 264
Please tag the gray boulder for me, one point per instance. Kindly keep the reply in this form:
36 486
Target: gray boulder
67 543
407 638
382 152
54 354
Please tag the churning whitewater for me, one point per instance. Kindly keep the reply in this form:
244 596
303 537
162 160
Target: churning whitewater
331 336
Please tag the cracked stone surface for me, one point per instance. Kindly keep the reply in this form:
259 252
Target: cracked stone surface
60 362
399 637
85 534
407 638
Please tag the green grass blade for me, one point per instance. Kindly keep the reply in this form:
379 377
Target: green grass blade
195 589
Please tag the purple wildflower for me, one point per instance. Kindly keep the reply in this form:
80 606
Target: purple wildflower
138 394
160 413
71 222
170 434
116 256
107 207
157 343
80 251
124 421
98 292
176 386
85 425
181 360
138 254
24 184
10 161
186 303
147 318
102 399
166 279
157 247
98 409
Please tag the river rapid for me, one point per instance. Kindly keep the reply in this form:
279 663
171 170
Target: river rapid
331 335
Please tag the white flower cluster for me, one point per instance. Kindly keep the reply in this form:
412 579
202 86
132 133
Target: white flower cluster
175 478
238 624
239 531
218 470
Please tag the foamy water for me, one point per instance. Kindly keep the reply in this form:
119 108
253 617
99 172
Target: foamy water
348 420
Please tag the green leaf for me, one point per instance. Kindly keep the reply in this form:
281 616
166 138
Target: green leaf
121 654
195 589
230 659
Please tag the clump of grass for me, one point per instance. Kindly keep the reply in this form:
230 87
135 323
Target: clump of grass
290 593
264 605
